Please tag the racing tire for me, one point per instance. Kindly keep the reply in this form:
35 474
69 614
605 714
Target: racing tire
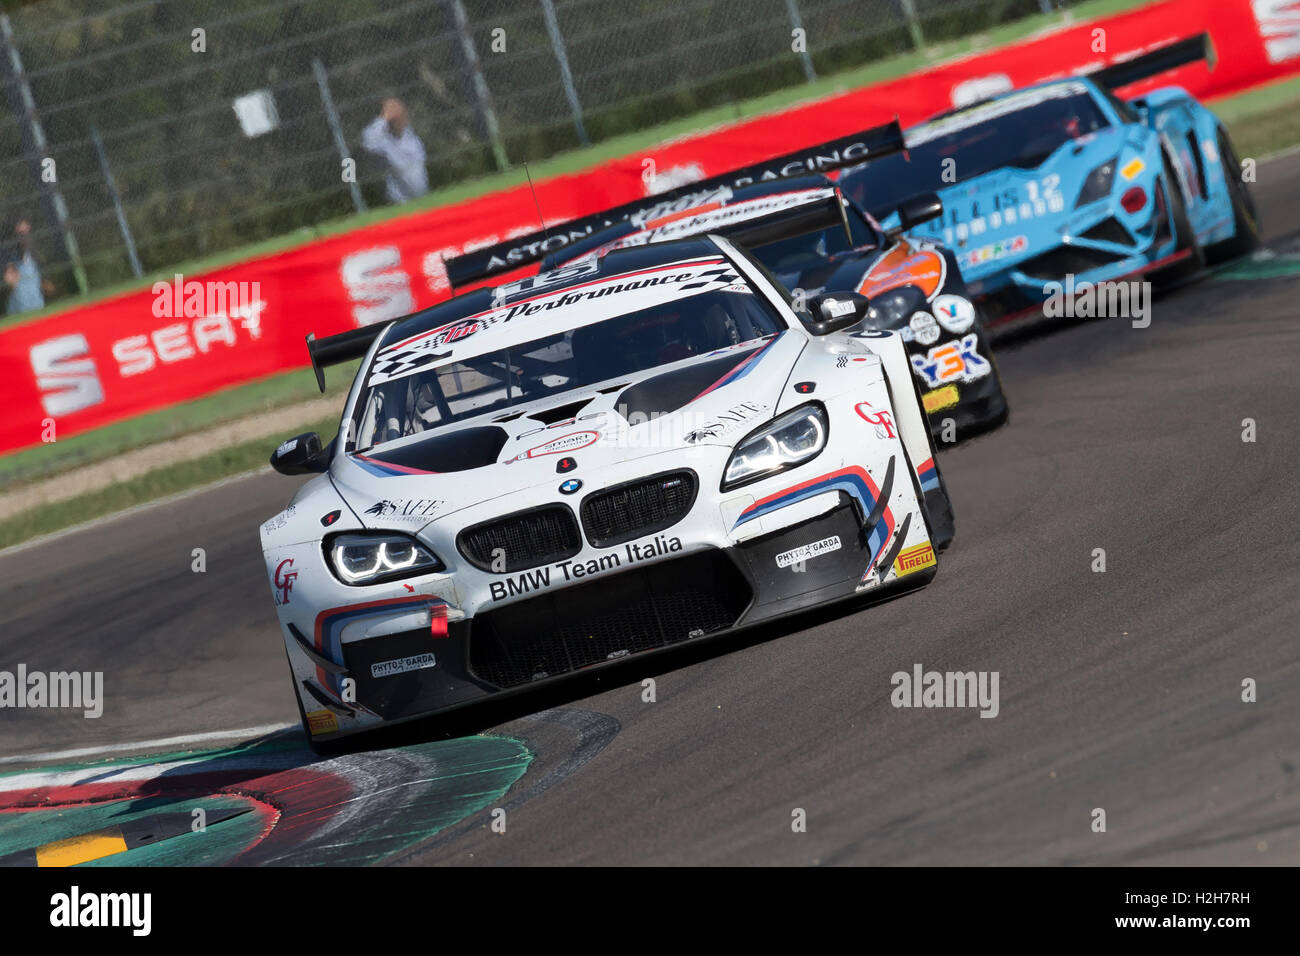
1245 220
1184 235
938 515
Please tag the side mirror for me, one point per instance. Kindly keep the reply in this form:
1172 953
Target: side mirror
833 311
917 209
300 455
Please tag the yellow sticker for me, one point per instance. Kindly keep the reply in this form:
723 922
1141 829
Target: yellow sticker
914 559
322 722
940 398
1132 168
81 849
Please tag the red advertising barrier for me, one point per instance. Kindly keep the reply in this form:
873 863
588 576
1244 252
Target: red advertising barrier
190 337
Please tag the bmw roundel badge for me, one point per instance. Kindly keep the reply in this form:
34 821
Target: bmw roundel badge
570 486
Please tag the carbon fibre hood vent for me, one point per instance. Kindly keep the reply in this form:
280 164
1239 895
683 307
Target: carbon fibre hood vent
664 394
558 413
455 451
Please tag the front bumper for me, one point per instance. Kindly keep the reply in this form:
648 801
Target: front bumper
701 593
1100 243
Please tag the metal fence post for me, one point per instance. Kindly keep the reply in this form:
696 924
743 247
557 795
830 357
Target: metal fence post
34 133
566 75
797 23
336 128
481 92
913 24
117 201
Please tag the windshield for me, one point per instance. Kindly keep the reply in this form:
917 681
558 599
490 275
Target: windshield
625 345
1020 132
788 258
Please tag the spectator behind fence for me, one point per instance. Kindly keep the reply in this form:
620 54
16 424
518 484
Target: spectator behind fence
390 137
21 273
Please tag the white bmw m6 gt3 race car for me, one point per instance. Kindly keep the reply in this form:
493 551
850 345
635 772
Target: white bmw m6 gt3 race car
620 456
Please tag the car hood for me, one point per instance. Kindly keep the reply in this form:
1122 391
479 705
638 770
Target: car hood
1007 215
713 400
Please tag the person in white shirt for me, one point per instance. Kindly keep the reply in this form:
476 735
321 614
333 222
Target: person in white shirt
389 136
27 290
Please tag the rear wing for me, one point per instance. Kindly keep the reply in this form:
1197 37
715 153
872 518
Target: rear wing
788 222
1160 60
344 347
833 154
812 215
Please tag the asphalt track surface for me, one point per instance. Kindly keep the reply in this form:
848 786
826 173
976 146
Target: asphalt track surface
1118 690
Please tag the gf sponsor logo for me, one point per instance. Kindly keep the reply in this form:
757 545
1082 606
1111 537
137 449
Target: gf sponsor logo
285 575
883 422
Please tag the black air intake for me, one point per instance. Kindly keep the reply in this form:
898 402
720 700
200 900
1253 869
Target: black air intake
526 539
606 619
638 508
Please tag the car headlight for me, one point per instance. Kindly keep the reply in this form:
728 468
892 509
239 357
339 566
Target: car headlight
370 558
1097 185
892 309
794 438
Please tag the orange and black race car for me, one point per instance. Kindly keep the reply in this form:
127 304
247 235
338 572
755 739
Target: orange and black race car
794 220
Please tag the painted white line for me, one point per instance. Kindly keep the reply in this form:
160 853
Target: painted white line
133 771
134 509
146 745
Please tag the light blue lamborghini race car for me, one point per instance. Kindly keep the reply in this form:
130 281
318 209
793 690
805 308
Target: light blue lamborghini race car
1066 179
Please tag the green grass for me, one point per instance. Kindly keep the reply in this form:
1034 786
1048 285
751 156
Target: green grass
158 483
267 394
1264 120
576 160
